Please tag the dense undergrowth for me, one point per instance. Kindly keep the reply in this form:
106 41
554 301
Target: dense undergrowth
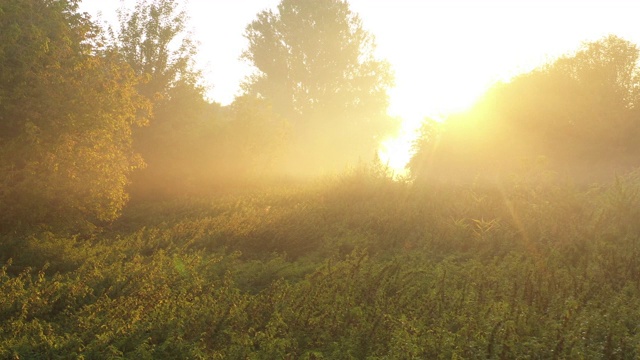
359 267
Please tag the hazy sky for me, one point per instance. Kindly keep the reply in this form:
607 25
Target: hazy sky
444 53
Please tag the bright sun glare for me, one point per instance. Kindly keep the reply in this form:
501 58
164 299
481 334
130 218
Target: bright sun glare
396 152
461 48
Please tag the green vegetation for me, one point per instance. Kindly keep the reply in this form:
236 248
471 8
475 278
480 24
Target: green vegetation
355 267
499 246
67 111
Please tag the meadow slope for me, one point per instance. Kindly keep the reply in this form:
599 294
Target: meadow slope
358 266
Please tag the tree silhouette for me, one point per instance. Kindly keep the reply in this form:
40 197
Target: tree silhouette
315 65
147 40
579 112
154 41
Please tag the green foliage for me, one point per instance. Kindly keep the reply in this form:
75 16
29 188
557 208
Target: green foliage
358 266
180 141
355 266
146 40
68 108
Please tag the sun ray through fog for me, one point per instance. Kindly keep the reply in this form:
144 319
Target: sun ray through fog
396 152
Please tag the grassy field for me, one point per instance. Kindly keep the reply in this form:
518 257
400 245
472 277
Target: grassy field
358 266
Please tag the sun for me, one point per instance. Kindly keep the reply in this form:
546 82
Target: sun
411 107
396 152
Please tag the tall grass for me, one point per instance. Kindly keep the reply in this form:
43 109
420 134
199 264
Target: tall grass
358 266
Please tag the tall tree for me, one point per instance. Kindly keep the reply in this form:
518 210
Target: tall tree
67 109
153 39
315 64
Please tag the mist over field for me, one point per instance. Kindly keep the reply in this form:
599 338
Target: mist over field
139 219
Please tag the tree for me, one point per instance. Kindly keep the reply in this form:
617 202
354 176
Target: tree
605 83
154 41
315 65
67 109
249 142
579 112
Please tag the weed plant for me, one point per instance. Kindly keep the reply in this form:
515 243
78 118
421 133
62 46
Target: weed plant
359 266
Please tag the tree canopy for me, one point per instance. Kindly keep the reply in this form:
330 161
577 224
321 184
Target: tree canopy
67 109
153 39
314 63
579 113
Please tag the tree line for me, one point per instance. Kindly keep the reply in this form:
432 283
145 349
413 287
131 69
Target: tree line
90 114
577 117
